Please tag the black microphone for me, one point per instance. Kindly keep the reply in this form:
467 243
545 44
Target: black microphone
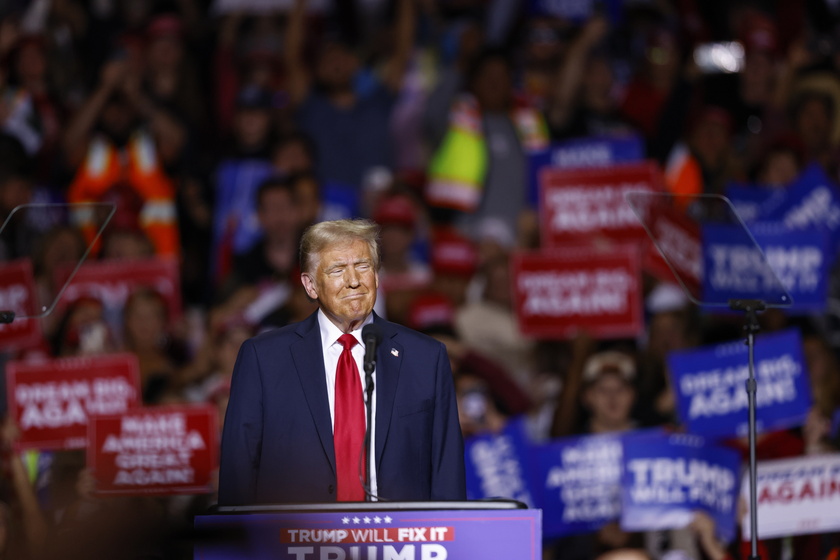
371 336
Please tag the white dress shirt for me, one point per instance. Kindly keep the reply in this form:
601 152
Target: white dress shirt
332 349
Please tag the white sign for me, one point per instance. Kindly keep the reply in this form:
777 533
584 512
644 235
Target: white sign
795 496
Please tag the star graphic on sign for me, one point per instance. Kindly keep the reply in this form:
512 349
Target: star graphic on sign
377 519
345 520
367 519
356 520
388 519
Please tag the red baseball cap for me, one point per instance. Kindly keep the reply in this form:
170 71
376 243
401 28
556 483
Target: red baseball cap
431 310
453 254
396 210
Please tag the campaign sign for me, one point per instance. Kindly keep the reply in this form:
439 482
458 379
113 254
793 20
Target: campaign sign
17 293
795 497
710 385
735 267
580 205
386 534
753 202
813 200
666 478
676 250
580 483
593 151
497 464
154 450
51 400
801 260
235 223
558 293
577 11
112 282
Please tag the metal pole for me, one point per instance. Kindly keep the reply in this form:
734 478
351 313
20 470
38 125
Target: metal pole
751 389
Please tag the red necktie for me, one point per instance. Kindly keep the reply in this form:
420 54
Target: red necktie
349 425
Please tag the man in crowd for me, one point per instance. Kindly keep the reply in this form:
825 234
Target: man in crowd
349 129
295 426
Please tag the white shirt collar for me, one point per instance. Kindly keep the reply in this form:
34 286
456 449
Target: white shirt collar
330 333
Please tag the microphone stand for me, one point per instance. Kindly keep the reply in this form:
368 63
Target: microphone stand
369 367
751 307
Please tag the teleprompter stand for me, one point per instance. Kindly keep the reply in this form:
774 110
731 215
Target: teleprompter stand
751 308
698 221
97 215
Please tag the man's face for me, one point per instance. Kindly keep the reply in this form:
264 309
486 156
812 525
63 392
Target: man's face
610 399
813 123
251 126
336 67
396 241
277 214
493 86
344 283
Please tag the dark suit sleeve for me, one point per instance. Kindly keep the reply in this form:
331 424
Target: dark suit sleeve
448 475
242 433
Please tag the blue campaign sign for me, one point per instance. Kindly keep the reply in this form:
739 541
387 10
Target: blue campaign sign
578 11
734 268
752 202
813 200
235 221
710 385
667 478
498 466
583 152
801 260
577 481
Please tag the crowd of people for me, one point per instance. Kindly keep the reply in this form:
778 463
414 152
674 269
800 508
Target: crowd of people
221 130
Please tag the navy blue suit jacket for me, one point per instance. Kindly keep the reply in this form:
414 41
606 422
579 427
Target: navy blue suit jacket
277 443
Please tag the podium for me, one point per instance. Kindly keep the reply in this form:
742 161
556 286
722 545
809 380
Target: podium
490 530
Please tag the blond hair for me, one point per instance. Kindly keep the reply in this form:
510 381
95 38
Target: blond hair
319 236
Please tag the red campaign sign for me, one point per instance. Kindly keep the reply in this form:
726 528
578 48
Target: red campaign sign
155 450
678 237
51 400
17 293
559 293
579 205
112 282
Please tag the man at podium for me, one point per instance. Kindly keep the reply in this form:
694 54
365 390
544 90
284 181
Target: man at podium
295 425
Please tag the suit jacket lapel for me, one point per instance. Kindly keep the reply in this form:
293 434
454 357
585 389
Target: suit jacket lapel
309 362
389 358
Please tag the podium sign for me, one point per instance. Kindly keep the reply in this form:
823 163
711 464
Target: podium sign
373 535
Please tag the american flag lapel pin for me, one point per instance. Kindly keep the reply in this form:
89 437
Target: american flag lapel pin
395 352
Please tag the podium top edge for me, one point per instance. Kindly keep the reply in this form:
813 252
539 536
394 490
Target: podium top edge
370 506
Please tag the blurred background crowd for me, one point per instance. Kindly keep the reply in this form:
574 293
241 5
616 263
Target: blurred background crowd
223 129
